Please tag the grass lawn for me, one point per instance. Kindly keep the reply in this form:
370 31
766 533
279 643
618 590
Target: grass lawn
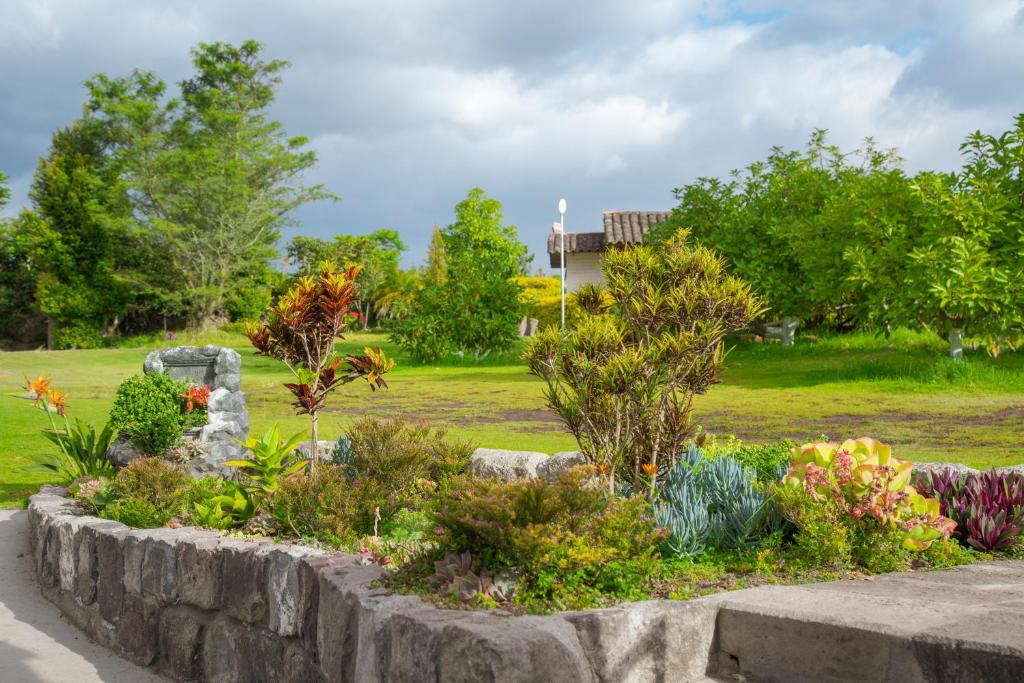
902 391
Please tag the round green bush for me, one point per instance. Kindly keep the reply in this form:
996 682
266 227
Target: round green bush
150 411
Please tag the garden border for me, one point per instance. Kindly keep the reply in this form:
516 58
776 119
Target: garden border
195 605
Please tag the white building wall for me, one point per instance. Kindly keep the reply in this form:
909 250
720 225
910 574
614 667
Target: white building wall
580 268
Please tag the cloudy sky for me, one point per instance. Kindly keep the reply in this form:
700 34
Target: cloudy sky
409 103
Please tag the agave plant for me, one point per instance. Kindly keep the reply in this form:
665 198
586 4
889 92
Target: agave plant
988 508
459 576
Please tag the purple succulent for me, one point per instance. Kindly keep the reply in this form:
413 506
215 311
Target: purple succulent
988 508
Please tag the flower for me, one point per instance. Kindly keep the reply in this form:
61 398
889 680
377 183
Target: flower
170 336
39 387
58 400
196 396
649 468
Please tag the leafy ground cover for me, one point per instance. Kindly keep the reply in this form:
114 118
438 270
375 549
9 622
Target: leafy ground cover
902 390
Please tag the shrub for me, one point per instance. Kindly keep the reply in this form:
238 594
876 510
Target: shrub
321 507
146 493
150 409
395 453
712 502
988 508
574 544
870 486
623 381
768 461
822 537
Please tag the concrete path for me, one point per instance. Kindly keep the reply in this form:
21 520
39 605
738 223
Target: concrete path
36 644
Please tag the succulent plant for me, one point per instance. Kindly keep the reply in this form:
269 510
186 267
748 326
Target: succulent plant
865 479
711 501
987 508
460 577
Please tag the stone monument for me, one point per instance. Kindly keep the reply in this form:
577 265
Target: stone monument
221 370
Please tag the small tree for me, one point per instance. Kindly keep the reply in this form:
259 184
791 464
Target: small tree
469 302
624 379
301 331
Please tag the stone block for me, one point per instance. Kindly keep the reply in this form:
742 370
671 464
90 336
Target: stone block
181 632
648 641
237 653
86 565
309 570
244 575
338 632
110 570
430 644
285 595
138 630
505 465
150 564
200 570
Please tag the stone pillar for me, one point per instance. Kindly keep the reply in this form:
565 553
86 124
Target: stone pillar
221 370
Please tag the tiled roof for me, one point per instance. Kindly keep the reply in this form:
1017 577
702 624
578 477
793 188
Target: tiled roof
575 243
629 227
620 227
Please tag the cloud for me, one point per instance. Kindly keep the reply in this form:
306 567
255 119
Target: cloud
610 104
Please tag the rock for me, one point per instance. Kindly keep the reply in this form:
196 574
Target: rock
560 463
1012 469
324 448
181 632
244 579
286 599
122 451
427 645
935 467
110 570
505 465
676 637
138 631
199 570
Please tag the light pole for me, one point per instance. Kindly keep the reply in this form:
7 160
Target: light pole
561 251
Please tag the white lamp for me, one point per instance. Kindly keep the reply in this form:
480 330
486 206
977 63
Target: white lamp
561 251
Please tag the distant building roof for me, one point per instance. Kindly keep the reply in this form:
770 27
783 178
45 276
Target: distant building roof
620 227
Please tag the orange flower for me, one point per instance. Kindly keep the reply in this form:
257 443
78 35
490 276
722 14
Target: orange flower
602 468
39 387
649 468
196 396
58 400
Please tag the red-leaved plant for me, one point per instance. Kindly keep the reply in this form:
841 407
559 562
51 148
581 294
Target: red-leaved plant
301 331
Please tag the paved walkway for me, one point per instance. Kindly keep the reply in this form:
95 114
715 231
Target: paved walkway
36 644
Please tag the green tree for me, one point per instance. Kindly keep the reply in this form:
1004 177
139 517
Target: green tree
967 267
437 266
379 253
214 179
474 310
784 224
74 234
17 279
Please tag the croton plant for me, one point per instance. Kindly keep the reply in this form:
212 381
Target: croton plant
301 331
867 482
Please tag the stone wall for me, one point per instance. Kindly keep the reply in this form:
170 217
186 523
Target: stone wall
194 605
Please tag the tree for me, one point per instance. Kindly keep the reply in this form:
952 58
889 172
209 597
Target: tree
302 331
785 223
378 253
75 235
17 279
213 178
474 310
623 380
437 265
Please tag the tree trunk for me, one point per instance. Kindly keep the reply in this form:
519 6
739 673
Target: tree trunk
789 325
314 447
956 343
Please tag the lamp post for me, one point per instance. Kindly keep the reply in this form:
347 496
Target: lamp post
561 251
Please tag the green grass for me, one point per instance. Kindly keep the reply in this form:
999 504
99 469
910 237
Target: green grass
900 390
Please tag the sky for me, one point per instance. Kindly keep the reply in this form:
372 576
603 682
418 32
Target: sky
410 103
